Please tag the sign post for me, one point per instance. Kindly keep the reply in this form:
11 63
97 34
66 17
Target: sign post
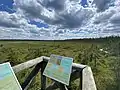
59 68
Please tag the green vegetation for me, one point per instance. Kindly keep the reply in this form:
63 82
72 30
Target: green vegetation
103 55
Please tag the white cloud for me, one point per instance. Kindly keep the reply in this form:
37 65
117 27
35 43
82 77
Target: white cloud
115 19
30 8
14 26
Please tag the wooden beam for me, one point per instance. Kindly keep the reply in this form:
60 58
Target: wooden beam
31 76
35 61
27 64
43 78
74 65
88 82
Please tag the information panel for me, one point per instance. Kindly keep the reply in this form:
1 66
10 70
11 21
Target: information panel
8 80
59 68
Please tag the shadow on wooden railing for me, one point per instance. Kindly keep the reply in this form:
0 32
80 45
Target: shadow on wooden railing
79 71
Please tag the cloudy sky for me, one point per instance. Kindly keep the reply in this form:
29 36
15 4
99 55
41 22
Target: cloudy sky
59 19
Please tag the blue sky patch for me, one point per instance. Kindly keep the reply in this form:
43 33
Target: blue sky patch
38 24
84 3
6 8
7 5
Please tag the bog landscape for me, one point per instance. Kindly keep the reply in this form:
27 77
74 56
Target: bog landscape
102 55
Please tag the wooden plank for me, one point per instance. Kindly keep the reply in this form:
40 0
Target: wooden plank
33 62
27 64
43 78
88 82
80 83
31 76
74 65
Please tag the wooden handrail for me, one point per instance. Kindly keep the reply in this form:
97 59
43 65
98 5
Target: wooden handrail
74 65
35 61
78 71
27 64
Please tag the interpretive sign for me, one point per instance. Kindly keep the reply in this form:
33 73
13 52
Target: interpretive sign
59 68
8 80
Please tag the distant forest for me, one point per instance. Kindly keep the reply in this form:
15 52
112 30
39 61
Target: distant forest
84 39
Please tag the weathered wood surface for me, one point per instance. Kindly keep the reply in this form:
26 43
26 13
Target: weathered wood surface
74 65
78 71
31 76
27 64
33 62
43 78
88 82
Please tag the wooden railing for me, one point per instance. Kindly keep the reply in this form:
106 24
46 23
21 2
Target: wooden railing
79 71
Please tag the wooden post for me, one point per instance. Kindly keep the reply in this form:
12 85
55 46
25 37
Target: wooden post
30 78
27 64
43 78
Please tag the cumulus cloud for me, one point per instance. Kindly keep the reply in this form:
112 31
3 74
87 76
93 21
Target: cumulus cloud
102 4
29 7
63 12
14 26
104 16
66 19
12 20
115 19
54 4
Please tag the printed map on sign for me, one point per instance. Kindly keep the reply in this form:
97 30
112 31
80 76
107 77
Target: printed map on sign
59 68
8 81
